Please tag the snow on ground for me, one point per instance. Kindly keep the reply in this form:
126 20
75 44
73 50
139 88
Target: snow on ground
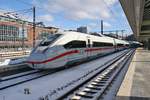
17 61
13 61
6 62
49 84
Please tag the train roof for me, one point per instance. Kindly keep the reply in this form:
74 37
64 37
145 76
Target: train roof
71 35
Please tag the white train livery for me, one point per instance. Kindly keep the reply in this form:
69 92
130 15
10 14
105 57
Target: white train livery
64 48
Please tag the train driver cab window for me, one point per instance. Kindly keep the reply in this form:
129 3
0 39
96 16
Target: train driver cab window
75 44
51 38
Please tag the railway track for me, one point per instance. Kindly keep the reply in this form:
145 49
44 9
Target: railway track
95 86
13 69
10 81
6 78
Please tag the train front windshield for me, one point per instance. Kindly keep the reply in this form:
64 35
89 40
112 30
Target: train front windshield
50 39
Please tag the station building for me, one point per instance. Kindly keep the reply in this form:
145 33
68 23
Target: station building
15 33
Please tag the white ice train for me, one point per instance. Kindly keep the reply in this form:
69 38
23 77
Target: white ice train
64 48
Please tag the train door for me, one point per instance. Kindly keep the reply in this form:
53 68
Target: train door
76 48
88 47
115 45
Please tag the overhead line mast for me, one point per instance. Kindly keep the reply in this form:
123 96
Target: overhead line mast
101 26
33 26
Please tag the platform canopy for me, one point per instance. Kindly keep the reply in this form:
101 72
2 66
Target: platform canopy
138 15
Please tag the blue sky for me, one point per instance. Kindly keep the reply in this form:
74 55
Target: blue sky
70 14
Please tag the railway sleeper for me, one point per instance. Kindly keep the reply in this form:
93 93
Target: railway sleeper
98 85
89 91
84 94
92 87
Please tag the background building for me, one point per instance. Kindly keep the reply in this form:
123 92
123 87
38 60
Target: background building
17 33
82 29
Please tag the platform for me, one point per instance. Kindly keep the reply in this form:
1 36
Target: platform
136 84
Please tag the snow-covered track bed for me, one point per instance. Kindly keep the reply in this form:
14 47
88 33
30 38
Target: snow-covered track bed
96 86
59 84
10 77
20 78
13 69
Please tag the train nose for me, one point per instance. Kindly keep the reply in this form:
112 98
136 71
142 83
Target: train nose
35 60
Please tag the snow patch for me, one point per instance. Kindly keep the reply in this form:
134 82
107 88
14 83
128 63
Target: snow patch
13 61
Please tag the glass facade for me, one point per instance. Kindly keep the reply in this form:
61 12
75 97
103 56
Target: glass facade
11 33
8 33
43 35
16 33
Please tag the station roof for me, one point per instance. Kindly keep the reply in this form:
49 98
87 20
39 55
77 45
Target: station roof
138 15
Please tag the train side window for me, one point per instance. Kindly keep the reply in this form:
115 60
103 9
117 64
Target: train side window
101 44
127 45
97 44
119 44
108 44
75 44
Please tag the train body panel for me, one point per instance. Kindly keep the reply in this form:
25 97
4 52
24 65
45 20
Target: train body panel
70 47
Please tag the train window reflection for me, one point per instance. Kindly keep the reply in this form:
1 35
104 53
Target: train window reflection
75 44
51 38
101 44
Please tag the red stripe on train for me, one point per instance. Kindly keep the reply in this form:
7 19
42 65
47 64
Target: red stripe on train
65 54
54 58
96 49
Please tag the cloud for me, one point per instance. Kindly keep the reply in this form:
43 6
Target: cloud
45 18
80 9
95 25
110 2
106 24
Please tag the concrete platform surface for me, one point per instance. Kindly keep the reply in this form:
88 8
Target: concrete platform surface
136 84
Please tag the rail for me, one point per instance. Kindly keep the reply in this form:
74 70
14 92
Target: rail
92 83
8 55
17 53
22 78
95 87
